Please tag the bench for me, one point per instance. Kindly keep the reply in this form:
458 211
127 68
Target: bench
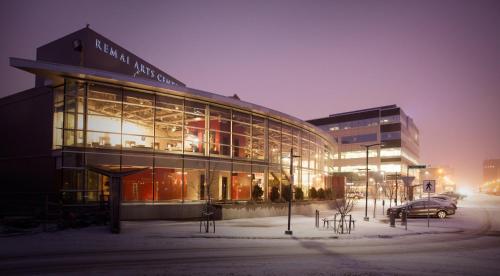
338 222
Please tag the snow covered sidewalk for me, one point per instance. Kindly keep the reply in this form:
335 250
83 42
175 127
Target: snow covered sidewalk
303 227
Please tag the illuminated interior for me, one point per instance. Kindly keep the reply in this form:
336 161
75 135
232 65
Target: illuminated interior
178 139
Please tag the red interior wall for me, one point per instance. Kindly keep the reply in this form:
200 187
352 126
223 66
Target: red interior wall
138 187
168 184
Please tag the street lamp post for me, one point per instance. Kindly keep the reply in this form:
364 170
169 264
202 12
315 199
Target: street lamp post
288 231
366 218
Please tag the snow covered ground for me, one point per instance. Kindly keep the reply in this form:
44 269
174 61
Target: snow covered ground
467 243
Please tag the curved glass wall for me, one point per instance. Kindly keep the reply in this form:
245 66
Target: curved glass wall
192 149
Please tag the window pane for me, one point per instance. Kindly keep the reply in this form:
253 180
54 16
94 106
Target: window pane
195 108
168 183
73 138
219 177
103 140
167 144
168 131
362 138
103 123
274 183
138 113
258 149
241 117
104 101
241 181
194 140
98 187
274 142
241 146
137 142
138 187
220 119
241 128
169 110
194 171
258 182
74 97
274 152
220 143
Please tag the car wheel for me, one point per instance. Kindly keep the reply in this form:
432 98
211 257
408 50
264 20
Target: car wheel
441 214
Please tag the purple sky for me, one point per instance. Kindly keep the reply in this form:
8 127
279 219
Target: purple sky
438 60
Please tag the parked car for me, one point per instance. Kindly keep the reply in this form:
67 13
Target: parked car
454 195
423 207
355 195
445 199
447 202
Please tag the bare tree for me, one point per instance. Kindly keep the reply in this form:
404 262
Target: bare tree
388 190
344 207
211 181
208 210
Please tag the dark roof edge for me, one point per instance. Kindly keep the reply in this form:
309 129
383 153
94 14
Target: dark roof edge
363 110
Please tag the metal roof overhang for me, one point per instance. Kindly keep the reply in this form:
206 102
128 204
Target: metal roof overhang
57 72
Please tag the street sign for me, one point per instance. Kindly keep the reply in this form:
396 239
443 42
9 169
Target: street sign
392 176
429 186
407 180
417 166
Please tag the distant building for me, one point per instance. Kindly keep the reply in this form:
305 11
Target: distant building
491 177
444 177
388 125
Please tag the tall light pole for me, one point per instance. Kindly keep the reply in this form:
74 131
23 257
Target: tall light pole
289 232
366 218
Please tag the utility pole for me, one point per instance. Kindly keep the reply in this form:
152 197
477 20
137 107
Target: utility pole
396 196
366 218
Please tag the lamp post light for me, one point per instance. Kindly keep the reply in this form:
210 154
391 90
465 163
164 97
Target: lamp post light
288 231
366 218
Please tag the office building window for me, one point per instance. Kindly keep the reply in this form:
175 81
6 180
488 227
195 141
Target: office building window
371 137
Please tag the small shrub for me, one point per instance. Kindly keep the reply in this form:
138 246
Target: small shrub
285 193
275 194
329 193
313 194
299 194
321 193
257 193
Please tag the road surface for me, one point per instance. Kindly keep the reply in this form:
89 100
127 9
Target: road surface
473 250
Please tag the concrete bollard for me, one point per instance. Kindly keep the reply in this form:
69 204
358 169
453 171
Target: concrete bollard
403 217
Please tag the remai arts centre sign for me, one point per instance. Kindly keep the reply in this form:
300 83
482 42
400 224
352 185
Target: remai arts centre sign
139 67
92 50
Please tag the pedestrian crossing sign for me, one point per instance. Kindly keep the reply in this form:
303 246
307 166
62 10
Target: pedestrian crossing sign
429 186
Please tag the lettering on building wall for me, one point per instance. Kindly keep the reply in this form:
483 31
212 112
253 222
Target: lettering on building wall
139 67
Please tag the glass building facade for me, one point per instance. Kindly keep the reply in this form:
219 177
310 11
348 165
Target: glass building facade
191 147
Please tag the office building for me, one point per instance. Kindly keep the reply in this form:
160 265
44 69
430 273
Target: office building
491 177
388 126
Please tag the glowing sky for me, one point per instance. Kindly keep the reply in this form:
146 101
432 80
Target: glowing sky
438 60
